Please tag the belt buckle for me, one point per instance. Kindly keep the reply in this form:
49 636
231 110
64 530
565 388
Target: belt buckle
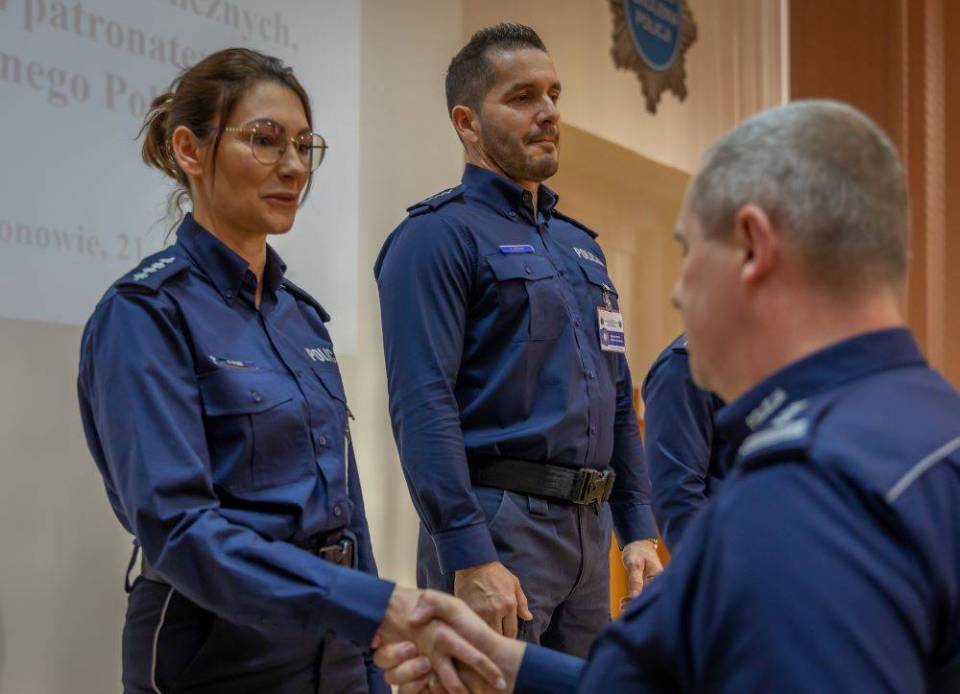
592 486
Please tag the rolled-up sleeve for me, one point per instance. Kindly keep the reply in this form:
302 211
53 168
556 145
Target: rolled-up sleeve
143 416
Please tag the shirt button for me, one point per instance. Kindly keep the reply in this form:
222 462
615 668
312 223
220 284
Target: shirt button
577 322
591 375
256 396
593 428
321 441
229 295
337 511
526 269
512 214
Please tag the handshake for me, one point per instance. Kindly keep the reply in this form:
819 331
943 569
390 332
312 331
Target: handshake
433 642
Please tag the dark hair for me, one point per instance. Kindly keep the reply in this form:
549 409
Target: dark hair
471 75
202 94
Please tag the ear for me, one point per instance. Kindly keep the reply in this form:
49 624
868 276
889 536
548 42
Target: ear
754 233
466 124
187 151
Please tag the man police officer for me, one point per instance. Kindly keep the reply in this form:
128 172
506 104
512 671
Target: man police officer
509 390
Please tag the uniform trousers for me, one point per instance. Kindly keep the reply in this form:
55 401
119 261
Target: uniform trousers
171 644
560 553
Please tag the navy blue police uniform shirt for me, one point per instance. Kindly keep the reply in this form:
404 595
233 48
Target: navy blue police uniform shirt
681 444
830 559
491 336
221 433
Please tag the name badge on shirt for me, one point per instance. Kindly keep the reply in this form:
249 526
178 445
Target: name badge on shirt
512 248
612 338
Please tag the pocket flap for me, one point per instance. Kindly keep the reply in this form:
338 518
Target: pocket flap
598 276
230 391
329 376
525 266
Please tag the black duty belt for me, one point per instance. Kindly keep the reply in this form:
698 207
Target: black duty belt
337 549
577 485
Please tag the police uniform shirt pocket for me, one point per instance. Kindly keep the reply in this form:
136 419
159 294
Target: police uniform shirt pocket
600 283
256 428
529 301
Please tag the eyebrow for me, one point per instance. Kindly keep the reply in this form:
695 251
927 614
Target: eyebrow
526 85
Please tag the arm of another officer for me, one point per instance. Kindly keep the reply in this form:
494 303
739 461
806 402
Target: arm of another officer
630 500
678 418
139 390
425 276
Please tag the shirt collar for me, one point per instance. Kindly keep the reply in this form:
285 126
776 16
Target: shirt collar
828 368
505 196
225 268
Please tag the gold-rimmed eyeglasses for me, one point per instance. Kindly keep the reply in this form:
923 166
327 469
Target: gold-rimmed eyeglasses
268 143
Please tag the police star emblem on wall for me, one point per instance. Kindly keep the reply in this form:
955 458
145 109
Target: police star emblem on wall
651 37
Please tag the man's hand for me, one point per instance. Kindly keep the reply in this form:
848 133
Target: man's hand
406 621
495 594
642 564
414 673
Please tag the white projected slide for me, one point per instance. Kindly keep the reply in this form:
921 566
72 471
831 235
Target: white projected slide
78 207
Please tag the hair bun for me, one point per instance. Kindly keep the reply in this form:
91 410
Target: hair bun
156 143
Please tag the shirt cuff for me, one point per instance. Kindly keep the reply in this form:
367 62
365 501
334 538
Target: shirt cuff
633 522
464 547
356 605
543 671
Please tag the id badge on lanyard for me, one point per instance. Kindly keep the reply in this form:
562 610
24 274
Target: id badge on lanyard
610 322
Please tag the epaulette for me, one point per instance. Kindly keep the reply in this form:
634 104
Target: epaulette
574 222
150 275
787 436
306 298
435 201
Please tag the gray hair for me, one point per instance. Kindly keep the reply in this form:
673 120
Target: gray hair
829 179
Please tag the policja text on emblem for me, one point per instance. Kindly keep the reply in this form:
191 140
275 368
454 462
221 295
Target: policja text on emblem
651 37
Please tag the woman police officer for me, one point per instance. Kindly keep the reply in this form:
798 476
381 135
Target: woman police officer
214 408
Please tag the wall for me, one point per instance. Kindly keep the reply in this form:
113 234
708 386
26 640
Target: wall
894 60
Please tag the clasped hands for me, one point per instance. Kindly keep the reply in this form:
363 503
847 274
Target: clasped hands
441 627
461 653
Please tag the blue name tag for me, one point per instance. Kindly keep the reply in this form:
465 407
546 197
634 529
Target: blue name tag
517 248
